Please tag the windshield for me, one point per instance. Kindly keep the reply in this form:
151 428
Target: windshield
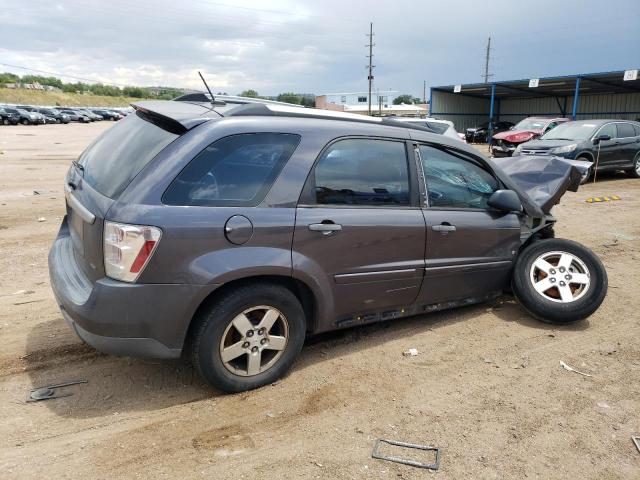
530 124
23 112
571 131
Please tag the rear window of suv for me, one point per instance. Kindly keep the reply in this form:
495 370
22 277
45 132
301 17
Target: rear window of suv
234 171
120 153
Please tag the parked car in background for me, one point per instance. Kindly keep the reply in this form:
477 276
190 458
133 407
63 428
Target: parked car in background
479 134
54 113
8 118
505 143
614 144
442 127
25 117
230 233
75 116
92 116
107 114
50 120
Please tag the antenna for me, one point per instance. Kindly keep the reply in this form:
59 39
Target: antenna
213 100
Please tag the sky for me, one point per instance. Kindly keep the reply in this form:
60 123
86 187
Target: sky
314 46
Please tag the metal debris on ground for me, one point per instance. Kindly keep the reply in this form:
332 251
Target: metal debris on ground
571 369
636 441
412 352
50 391
610 198
404 461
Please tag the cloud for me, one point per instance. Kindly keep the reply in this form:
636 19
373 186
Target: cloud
312 46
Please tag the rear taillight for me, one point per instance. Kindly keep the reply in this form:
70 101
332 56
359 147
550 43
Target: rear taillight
127 249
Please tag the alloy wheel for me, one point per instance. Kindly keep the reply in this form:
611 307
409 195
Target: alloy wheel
254 341
560 277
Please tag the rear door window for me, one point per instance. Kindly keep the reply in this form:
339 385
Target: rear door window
364 172
120 153
454 182
233 171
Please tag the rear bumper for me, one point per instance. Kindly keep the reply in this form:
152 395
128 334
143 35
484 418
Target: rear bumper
118 318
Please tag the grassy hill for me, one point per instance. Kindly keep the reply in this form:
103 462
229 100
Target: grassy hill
37 97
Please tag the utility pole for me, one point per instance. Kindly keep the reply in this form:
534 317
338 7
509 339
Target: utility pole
370 66
424 91
487 75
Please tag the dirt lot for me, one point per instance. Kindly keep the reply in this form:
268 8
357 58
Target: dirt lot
486 387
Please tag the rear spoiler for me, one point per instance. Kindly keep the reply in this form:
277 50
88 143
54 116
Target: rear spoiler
174 117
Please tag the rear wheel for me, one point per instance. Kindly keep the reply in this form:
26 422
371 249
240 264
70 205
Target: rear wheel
25 121
635 171
559 281
249 338
5 121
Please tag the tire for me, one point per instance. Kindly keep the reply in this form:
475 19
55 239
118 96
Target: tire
216 327
5 121
585 178
635 171
582 296
25 122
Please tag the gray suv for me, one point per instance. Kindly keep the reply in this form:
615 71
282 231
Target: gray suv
230 232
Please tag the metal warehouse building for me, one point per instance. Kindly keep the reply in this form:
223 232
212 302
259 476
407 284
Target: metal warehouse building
591 95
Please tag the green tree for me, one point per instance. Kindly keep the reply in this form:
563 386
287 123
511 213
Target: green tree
308 101
289 97
405 98
248 93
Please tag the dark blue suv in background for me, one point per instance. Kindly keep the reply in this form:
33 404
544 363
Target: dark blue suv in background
611 144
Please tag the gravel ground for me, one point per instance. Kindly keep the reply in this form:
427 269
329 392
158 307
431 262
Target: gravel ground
486 387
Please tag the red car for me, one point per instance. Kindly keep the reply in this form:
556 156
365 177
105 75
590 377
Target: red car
505 143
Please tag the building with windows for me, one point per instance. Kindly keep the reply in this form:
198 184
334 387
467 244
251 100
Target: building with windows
358 102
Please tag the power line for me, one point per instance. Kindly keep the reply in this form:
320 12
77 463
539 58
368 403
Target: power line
370 66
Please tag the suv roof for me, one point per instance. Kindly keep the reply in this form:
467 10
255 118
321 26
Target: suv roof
179 116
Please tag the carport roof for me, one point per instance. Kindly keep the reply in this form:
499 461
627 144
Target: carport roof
590 83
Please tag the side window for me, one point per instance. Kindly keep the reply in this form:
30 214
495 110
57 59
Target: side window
236 170
637 129
608 129
363 172
625 130
455 182
551 126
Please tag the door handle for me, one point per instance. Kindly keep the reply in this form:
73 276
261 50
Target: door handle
443 228
325 228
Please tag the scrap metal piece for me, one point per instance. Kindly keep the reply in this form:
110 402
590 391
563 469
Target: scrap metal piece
413 463
571 369
48 392
636 441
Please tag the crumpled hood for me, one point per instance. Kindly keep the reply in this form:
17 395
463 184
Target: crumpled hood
543 179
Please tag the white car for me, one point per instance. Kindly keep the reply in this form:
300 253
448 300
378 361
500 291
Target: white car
443 127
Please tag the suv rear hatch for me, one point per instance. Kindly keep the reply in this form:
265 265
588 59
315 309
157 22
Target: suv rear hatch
105 169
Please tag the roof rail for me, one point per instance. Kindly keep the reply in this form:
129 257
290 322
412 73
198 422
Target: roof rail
267 110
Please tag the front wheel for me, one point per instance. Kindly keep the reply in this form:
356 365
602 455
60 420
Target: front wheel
586 175
559 281
249 338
